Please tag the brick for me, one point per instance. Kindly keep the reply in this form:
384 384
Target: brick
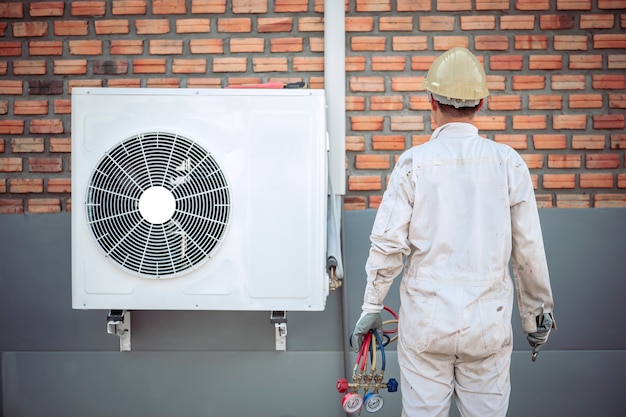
46 126
33 67
388 63
355 63
568 82
609 41
386 103
533 161
207 46
573 4
545 102
10 164
45 87
71 28
129 7
364 183
311 24
599 180
291 6
36 164
62 106
11 127
491 43
110 66
372 161
30 29
417 140
602 161
165 47
419 103
570 43
127 47
60 145
274 24
478 22
239 45
44 205
163 83
11 10
443 43
543 200
556 21
549 141
189 66
530 42
93 47
4 66
69 66
149 66
112 27
585 62
504 102
88 8
407 123
79 82
609 200
169 7
492 5
193 26
367 84
4 109
27 145
569 121
204 82
608 121
349 203
124 83
608 81
490 122
45 48
373 5
545 62
316 44
529 122
313 64
355 103
454 5
421 63
370 123
436 23
588 141
388 142
506 63
610 4
585 101
46 9
281 45
573 201
559 181
355 143
617 101
152 26
596 21
234 25
523 22
515 141
25 107
10 49
395 23
368 43
12 205
208 6
230 65
249 6
617 61
374 201
529 82
269 64
413 5
570 161
359 24
25 185
621 180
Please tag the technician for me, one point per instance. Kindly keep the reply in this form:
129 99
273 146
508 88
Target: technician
458 208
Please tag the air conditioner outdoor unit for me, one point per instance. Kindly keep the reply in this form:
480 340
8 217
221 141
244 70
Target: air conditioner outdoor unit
199 199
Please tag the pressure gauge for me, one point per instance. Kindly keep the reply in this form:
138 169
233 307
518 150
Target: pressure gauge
373 402
352 402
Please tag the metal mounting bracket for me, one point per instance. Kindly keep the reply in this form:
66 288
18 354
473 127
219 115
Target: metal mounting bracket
279 318
118 324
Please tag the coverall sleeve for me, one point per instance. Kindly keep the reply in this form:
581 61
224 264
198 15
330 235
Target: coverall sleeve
530 267
390 235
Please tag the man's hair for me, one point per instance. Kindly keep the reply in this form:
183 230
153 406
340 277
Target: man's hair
461 112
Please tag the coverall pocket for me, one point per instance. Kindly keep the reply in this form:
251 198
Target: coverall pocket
495 323
417 315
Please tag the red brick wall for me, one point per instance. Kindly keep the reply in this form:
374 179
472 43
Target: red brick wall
556 70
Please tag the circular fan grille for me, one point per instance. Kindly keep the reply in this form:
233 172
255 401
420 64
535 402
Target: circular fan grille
158 204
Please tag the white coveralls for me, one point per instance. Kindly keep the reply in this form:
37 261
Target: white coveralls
459 208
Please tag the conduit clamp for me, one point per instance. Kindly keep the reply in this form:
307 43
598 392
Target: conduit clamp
118 324
279 318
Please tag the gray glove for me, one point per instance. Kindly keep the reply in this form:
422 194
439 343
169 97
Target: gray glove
367 322
540 337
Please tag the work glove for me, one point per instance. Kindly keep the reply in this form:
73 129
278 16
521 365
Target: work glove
540 337
367 322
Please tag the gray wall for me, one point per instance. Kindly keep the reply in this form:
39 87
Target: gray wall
61 362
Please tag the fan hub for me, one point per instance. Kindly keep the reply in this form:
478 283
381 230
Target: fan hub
157 205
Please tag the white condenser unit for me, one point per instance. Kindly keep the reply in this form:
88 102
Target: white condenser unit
199 199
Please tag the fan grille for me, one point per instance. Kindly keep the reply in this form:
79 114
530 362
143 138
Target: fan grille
158 204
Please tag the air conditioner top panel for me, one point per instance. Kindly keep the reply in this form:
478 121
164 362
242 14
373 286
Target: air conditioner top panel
198 91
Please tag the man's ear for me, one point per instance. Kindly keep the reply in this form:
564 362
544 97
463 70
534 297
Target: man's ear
433 103
480 104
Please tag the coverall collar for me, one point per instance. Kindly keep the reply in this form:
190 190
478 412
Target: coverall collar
454 129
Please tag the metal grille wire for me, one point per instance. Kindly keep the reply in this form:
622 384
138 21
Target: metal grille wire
202 204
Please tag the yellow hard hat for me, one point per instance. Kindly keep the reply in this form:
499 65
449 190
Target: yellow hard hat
457 74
